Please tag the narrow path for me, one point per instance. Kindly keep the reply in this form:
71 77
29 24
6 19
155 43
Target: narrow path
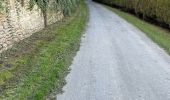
117 61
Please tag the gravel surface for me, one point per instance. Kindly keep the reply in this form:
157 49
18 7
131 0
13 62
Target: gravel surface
117 61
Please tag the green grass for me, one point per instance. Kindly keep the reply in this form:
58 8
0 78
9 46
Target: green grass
37 66
157 34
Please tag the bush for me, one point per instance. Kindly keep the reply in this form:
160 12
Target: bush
156 9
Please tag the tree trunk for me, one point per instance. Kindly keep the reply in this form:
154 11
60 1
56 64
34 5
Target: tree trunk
45 18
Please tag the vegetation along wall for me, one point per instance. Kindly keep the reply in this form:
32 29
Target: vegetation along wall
158 10
19 19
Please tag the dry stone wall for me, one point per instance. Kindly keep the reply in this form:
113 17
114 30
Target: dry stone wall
18 22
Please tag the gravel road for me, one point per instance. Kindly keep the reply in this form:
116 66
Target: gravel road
117 61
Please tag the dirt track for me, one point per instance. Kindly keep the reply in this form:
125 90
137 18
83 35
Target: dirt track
117 61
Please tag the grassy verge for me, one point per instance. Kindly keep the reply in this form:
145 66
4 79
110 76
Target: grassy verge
36 66
157 34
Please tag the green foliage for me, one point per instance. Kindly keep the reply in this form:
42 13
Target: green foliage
1 5
66 6
42 4
156 9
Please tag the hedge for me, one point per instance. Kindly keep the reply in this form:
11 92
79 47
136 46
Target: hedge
158 10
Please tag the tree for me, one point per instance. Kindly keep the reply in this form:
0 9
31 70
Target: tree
66 6
43 5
